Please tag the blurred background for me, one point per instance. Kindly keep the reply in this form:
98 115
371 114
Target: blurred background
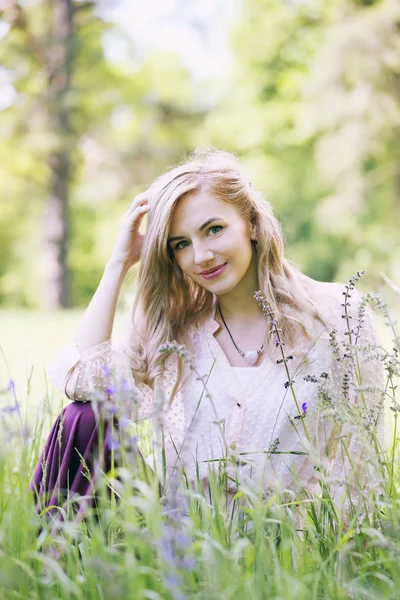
98 98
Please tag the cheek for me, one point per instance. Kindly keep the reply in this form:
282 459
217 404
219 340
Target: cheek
244 255
180 261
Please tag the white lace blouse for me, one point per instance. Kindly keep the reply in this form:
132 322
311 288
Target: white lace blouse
249 413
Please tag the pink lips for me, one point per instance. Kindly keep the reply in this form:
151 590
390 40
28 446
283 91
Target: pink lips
214 273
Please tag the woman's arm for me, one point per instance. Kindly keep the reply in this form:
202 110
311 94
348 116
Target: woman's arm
83 365
97 323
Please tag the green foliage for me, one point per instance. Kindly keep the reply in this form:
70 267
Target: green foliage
126 122
310 104
315 116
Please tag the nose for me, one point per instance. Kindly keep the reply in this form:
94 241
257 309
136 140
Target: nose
202 255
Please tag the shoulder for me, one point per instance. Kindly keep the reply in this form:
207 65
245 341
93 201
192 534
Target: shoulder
331 293
343 309
332 303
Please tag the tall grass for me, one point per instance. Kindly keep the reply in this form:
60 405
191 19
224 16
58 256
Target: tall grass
143 538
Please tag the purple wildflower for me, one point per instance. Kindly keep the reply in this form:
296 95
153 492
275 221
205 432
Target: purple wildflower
304 408
188 563
112 442
125 386
11 409
110 390
124 422
172 548
106 370
172 582
113 445
167 551
11 386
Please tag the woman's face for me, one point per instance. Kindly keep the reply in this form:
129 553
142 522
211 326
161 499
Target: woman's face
206 233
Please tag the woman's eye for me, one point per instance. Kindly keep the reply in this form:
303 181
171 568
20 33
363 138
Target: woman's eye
178 246
214 229
217 227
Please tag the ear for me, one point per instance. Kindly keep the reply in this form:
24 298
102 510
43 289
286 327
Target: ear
253 231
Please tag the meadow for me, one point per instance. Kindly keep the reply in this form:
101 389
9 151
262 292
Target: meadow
138 541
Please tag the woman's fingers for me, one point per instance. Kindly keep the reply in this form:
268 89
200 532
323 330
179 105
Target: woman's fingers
138 201
135 214
136 209
139 213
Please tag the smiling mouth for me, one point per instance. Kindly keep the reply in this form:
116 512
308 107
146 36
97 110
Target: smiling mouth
214 273
212 270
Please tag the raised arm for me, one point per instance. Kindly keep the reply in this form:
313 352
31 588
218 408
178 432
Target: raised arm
97 323
83 364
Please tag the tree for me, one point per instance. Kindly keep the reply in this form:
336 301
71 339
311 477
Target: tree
59 64
351 111
313 110
42 59
80 136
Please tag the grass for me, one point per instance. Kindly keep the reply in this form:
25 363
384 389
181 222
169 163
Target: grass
140 541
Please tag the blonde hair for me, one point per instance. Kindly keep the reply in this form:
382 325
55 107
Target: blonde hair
167 301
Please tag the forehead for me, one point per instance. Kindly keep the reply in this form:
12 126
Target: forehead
193 210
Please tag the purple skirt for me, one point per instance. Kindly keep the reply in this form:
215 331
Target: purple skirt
72 459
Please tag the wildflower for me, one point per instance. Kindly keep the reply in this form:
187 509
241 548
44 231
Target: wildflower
188 563
174 347
11 409
11 386
124 422
284 360
110 390
172 582
173 547
273 446
333 342
346 385
304 408
125 386
369 420
112 442
106 370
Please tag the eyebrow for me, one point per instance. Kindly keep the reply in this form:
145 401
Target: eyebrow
181 237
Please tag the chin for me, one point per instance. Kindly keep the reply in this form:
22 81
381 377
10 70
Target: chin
221 288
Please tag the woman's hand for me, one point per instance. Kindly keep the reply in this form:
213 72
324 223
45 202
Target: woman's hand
129 242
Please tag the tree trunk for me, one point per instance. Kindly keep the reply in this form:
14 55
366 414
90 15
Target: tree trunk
59 64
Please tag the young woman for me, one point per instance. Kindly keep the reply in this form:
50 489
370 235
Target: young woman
263 378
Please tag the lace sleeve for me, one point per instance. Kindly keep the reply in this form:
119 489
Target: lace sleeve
101 372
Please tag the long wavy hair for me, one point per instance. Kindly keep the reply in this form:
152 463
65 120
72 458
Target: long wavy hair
167 301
